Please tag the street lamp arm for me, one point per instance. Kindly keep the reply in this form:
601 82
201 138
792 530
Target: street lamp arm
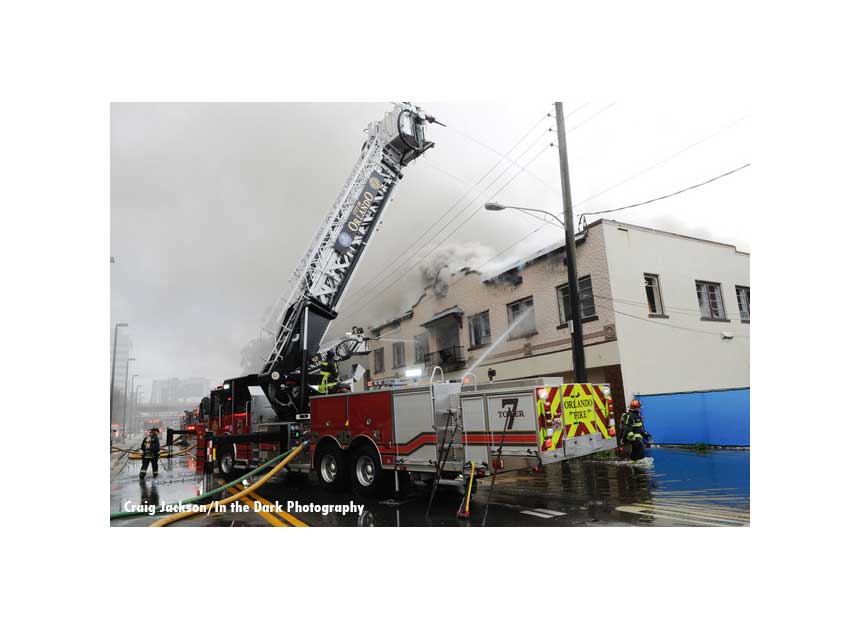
495 207
549 214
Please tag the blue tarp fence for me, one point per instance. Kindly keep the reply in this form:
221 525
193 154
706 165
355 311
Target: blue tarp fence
720 417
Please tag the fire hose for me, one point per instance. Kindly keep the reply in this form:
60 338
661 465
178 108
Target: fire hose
167 520
217 490
464 513
135 453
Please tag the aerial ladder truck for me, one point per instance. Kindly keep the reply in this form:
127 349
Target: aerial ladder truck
274 404
443 431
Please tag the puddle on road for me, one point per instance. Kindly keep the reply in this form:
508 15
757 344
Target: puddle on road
670 487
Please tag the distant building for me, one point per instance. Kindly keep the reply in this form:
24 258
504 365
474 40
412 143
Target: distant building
665 318
179 390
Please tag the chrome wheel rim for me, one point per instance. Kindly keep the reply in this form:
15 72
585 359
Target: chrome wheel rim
328 468
365 470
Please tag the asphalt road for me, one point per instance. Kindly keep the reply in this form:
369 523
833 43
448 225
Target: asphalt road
676 488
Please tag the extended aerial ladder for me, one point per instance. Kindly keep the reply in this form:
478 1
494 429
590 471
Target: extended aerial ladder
324 272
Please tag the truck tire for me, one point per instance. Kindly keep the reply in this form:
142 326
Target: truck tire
331 467
366 470
226 461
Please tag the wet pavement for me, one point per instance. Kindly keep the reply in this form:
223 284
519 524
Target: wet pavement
674 487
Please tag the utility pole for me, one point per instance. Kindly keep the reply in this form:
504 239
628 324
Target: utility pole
575 322
113 368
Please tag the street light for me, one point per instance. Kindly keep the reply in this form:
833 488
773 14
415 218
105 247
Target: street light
113 368
131 405
494 206
125 394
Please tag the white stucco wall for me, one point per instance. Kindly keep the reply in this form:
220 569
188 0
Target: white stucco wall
660 355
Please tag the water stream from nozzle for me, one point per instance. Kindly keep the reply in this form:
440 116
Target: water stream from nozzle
503 337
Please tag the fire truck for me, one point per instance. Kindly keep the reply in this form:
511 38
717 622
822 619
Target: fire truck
432 431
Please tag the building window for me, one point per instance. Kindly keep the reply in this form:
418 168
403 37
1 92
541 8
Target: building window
422 348
710 300
743 294
653 293
379 360
587 309
522 313
479 329
399 354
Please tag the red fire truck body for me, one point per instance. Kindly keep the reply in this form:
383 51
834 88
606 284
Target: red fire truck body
427 430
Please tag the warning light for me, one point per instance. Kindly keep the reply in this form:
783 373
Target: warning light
542 394
612 431
547 443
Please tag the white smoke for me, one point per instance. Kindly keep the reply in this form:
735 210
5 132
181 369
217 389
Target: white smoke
437 269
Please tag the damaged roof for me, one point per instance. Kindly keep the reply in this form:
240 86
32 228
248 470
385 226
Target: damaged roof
454 310
535 256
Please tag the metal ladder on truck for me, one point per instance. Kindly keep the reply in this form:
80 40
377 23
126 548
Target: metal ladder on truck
450 436
324 272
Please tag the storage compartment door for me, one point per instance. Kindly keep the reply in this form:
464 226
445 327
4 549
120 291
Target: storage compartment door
516 413
475 430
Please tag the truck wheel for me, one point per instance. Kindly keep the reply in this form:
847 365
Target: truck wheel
366 470
331 467
226 462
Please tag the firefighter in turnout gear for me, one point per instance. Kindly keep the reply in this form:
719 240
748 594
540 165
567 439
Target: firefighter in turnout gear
330 380
633 433
150 449
328 372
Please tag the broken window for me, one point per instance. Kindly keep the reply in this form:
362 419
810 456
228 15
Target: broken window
743 294
710 300
479 329
652 293
587 309
399 354
522 313
422 347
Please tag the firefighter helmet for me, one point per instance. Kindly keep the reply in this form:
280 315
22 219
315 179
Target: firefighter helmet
635 404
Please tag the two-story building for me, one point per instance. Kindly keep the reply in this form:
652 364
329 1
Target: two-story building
665 318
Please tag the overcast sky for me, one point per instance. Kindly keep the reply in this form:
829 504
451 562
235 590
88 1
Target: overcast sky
212 204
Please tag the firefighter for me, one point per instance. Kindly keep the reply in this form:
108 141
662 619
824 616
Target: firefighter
150 449
328 372
633 431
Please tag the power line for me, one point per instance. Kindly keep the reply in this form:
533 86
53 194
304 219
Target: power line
492 150
659 323
361 306
677 192
517 242
569 131
660 162
408 250
416 255
675 309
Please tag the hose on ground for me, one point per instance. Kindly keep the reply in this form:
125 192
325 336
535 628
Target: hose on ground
135 453
206 495
167 520
163 454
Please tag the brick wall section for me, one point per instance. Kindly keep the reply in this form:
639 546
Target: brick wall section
539 280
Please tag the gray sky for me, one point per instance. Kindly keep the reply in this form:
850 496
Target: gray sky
212 204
